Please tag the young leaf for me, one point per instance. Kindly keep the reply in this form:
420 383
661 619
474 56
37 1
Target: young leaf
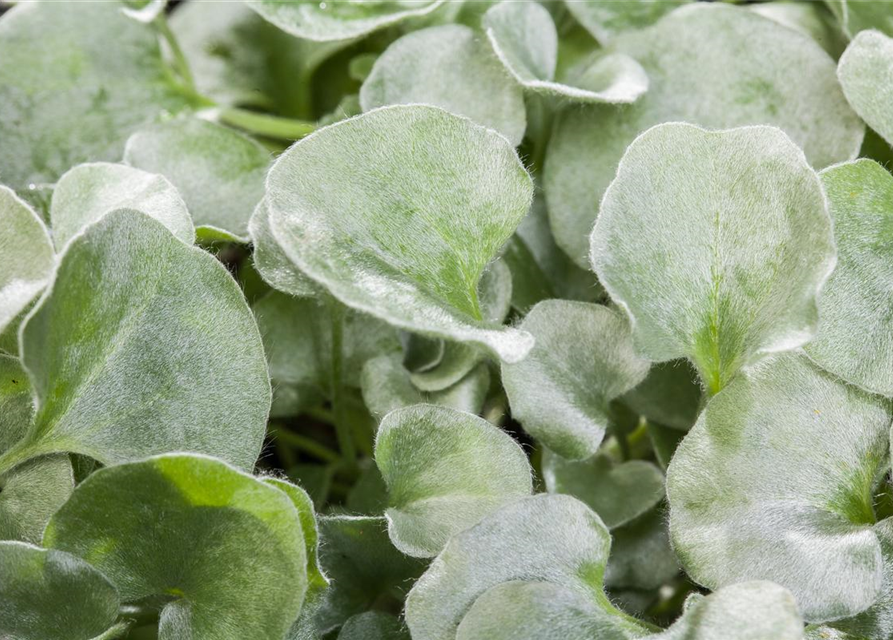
618 493
75 81
775 482
219 171
750 70
401 250
449 67
866 75
671 395
50 595
525 39
270 260
583 358
718 259
89 191
445 470
854 340
545 538
27 254
606 19
143 345
373 625
223 549
325 21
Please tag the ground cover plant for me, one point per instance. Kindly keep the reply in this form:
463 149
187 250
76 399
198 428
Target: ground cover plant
443 320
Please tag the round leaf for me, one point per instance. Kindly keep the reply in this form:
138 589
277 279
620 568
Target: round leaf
445 470
270 260
582 359
380 209
718 259
866 75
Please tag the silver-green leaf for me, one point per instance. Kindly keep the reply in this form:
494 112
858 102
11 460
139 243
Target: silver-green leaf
866 75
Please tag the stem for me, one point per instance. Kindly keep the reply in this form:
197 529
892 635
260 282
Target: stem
321 413
339 399
180 63
311 446
263 124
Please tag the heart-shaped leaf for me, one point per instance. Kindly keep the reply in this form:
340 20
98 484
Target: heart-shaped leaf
89 191
224 550
51 595
775 482
866 75
453 68
219 171
583 358
854 340
750 70
143 345
445 470
618 493
27 255
671 395
608 18
75 81
400 249
525 39
718 259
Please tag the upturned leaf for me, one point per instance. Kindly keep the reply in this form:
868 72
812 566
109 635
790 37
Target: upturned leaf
270 260
224 550
219 171
453 68
445 470
142 345
607 19
397 212
51 595
775 482
89 191
866 75
751 70
582 359
718 259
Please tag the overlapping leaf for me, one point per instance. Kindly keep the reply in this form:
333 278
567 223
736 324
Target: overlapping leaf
866 75
608 18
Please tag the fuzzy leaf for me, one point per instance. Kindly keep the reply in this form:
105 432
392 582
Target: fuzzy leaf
445 470
671 395
302 503
219 171
50 595
226 549
775 482
810 18
641 555
605 19
270 260
583 358
403 252
143 345
866 75
525 39
27 254
89 191
750 70
449 67
75 81
373 625
718 259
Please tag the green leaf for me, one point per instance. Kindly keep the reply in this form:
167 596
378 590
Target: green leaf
857 15
373 625
89 191
270 260
525 39
445 470
671 395
750 70
718 259
302 503
541 539
810 18
219 171
453 68
866 75
583 358
664 441
50 595
775 482
606 19
617 492
27 254
324 21
641 555
854 340
224 550
403 254
75 81
143 345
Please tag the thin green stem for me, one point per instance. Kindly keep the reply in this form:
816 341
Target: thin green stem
339 398
181 65
321 413
263 124
308 445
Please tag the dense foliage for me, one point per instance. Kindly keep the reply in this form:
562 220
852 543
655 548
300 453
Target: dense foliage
444 320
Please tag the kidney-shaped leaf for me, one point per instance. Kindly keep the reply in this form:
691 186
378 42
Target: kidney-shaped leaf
225 549
89 191
445 470
775 482
143 345
51 595
866 75
718 258
398 212
582 359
